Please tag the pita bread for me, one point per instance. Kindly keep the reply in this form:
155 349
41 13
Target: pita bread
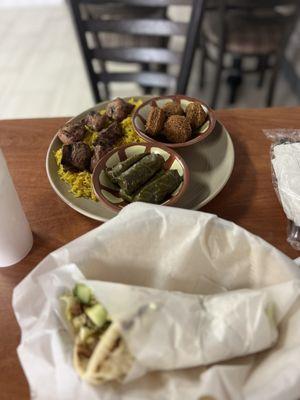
110 360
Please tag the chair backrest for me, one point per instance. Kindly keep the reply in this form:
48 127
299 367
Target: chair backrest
286 11
145 21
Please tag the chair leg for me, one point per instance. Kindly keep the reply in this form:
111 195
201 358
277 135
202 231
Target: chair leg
235 79
202 67
273 81
164 69
106 91
219 68
262 67
146 68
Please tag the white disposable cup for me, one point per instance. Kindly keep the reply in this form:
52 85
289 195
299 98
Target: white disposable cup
15 234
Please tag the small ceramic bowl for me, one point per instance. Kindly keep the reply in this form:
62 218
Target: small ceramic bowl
140 117
107 192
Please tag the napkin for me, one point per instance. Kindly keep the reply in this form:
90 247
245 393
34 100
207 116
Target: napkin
168 249
286 165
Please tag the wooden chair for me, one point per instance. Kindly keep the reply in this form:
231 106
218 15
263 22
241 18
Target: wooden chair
247 28
135 31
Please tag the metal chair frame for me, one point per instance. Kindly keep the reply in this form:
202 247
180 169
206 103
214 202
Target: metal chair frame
161 56
264 64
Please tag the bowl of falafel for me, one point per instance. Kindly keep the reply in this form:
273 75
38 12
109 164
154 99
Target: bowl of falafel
174 120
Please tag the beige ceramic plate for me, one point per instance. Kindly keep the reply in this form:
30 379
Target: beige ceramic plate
210 163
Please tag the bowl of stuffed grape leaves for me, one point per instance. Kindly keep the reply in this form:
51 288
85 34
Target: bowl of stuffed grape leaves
174 121
145 172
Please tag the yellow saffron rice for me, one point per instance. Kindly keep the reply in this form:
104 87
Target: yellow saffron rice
81 182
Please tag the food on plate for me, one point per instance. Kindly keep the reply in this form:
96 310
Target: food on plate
100 354
109 136
101 134
172 108
195 114
173 123
123 166
140 172
155 121
143 177
76 156
162 186
95 121
119 109
134 333
177 129
98 153
71 133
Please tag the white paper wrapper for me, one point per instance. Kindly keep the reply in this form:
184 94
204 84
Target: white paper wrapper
286 164
170 249
171 330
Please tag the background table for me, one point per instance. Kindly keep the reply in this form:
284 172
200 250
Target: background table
248 199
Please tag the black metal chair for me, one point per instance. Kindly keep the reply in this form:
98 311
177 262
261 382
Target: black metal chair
135 31
247 28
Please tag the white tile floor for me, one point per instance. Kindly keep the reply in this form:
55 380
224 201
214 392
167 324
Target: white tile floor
42 73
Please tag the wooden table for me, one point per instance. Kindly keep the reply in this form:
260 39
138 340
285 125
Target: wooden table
248 199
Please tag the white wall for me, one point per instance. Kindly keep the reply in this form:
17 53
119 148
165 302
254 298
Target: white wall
28 3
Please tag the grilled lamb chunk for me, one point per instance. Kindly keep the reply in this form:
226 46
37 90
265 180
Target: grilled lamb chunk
71 132
99 152
96 121
76 156
119 109
109 136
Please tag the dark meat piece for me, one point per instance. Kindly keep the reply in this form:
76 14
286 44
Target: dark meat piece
109 136
71 132
172 108
96 121
76 309
76 156
177 129
84 350
99 152
155 121
119 109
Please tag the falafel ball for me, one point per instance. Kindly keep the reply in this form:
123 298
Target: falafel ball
172 108
118 109
177 129
195 115
155 121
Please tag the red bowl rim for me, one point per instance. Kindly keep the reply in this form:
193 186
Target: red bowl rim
196 139
100 165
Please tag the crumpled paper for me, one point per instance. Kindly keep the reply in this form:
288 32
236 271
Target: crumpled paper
170 249
286 165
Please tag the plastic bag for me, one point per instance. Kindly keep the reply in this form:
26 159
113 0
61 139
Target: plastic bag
285 160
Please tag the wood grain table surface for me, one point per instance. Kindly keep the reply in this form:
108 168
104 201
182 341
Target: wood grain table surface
248 199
